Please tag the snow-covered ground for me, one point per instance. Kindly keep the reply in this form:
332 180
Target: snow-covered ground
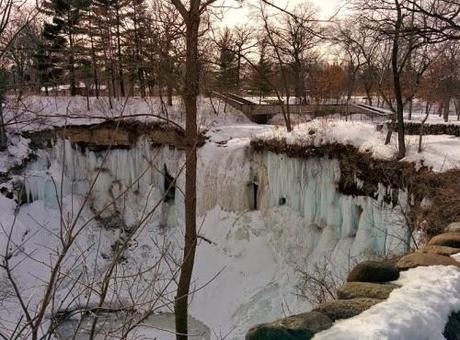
418 310
39 112
441 152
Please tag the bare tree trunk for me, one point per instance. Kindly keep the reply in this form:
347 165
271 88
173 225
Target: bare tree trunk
446 110
369 96
397 85
87 97
457 108
119 56
422 125
190 94
411 104
94 62
73 82
3 138
238 68
169 90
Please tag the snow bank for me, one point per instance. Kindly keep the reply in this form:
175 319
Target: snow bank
418 310
40 112
441 152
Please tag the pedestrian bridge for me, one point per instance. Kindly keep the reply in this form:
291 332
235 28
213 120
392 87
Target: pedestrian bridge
261 113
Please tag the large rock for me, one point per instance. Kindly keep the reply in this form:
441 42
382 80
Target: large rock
344 309
440 250
452 328
446 239
373 271
425 259
453 227
353 290
295 327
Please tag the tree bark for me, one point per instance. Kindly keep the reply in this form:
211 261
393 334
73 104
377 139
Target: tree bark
190 94
397 85
119 55
3 138
445 113
169 92
73 82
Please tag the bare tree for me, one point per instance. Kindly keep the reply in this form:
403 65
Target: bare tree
442 18
191 13
392 26
352 43
243 40
298 35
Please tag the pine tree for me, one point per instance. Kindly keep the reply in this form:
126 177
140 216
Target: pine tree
263 72
62 33
136 43
227 76
112 25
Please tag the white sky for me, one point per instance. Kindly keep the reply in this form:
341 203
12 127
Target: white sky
326 9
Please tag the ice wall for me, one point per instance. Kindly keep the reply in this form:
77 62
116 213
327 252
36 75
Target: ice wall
111 179
309 187
320 218
301 212
263 215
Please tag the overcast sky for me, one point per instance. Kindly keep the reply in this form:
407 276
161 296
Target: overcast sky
326 9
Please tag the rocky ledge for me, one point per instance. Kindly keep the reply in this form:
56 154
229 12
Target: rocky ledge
368 284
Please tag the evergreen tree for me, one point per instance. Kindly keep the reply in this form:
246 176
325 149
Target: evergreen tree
61 36
137 43
48 63
263 72
227 77
112 23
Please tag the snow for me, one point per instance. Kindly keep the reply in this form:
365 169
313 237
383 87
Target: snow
248 271
40 112
418 310
17 151
440 152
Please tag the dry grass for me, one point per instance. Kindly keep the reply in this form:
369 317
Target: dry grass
444 194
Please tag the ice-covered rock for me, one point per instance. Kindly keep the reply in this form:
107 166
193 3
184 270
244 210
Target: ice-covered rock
263 215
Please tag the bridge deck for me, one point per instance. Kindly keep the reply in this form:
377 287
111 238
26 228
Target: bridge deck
261 113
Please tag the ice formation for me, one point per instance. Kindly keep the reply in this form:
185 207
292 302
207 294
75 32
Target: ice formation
265 216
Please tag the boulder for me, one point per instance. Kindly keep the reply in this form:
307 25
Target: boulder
451 239
453 227
452 328
373 271
352 290
425 259
440 250
344 309
295 327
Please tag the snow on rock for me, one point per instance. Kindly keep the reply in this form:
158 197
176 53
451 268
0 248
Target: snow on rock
17 151
418 310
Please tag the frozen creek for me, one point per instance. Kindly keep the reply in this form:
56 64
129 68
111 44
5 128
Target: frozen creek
262 217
